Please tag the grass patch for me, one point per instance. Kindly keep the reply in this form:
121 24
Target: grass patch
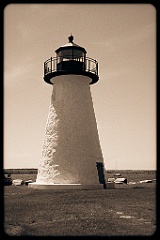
30 212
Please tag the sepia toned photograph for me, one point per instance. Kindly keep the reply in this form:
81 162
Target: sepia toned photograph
79 120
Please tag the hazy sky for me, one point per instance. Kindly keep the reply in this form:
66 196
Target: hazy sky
122 38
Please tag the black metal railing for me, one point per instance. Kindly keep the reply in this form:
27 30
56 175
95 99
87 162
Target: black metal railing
60 64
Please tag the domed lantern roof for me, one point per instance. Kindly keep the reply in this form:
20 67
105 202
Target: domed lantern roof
71 50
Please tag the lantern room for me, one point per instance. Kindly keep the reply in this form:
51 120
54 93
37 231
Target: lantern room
71 59
71 50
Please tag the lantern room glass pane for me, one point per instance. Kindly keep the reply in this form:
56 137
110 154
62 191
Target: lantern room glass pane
70 53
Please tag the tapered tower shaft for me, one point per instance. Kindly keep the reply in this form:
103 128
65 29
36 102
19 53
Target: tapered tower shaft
71 144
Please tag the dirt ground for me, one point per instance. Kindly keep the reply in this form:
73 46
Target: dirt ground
102 212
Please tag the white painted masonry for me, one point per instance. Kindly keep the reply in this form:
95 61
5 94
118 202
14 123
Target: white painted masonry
71 145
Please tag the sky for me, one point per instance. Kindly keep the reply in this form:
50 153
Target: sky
122 38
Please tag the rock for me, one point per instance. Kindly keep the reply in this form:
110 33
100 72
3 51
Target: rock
17 182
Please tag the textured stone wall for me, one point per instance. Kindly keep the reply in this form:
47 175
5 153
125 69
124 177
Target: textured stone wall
47 169
71 145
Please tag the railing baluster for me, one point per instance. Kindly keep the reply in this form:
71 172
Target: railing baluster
51 64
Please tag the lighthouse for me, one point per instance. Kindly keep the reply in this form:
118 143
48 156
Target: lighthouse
71 152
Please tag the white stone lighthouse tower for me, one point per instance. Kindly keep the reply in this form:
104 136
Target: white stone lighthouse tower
71 153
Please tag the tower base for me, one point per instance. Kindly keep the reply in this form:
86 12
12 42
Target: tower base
64 186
